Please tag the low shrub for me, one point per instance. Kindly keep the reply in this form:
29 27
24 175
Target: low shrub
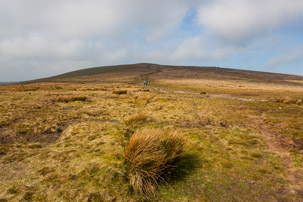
149 156
120 92
67 99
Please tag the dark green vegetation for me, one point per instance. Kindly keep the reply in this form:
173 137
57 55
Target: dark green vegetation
241 142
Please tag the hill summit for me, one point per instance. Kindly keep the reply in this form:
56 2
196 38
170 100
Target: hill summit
137 72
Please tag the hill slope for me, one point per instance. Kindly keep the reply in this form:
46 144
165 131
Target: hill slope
155 71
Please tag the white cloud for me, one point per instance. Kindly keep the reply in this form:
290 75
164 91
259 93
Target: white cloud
63 18
78 18
47 36
161 17
35 46
50 37
201 48
238 20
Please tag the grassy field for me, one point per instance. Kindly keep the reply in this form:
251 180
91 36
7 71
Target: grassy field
65 140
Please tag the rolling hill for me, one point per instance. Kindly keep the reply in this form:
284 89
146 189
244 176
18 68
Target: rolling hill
155 71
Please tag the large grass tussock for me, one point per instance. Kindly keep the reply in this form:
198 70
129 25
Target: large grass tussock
120 92
149 155
139 118
67 99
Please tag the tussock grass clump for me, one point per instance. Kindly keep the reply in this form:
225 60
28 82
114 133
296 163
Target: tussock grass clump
137 119
67 99
149 156
120 92
288 100
142 100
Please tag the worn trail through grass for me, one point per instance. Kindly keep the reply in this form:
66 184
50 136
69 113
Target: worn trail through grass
209 95
294 173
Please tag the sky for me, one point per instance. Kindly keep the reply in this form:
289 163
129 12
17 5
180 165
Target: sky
41 38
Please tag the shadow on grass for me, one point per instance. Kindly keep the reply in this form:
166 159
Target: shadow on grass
185 165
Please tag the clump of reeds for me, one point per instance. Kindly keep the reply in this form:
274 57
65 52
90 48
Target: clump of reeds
67 99
149 156
120 92
139 118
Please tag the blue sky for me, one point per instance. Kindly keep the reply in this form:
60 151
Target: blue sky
41 38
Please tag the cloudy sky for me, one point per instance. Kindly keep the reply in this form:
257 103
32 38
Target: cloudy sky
40 38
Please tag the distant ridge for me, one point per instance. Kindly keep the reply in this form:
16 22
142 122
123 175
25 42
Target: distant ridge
171 72
86 72
7 83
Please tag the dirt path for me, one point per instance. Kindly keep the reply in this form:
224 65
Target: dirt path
226 96
294 174
148 75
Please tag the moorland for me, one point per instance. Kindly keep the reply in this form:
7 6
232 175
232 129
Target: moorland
67 137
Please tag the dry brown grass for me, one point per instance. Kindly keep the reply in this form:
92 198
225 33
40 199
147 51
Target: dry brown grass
139 118
231 86
67 99
120 92
149 155
31 87
142 99
52 151
289 100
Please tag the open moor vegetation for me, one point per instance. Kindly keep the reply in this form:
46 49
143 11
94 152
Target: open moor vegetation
193 134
